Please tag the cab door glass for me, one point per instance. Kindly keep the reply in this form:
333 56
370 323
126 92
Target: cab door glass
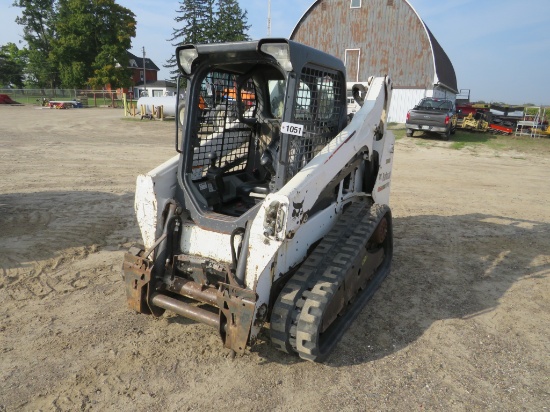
276 97
302 108
325 87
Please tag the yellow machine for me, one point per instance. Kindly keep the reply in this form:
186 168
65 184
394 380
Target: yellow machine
475 123
540 132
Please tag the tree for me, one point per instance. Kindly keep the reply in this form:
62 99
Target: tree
207 21
38 21
12 65
231 23
210 21
116 29
92 37
194 27
77 42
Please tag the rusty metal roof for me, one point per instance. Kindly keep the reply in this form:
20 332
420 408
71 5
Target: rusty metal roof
381 37
443 66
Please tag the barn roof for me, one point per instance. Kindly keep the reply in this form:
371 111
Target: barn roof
443 66
391 35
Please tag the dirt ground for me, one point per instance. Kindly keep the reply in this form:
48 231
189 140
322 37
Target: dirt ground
462 323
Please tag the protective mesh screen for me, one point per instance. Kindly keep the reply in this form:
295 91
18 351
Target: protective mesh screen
219 130
318 108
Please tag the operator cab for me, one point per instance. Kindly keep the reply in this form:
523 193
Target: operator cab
256 115
231 166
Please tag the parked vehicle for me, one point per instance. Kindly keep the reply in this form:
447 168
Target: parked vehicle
432 115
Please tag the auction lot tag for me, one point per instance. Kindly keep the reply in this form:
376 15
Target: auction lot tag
292 128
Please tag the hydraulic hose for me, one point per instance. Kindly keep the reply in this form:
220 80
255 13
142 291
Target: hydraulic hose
160 255
239 230
241 263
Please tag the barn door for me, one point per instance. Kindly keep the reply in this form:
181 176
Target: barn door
351 60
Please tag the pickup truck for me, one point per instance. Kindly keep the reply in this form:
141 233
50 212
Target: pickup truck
432 115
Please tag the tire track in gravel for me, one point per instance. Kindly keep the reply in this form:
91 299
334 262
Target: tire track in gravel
44 233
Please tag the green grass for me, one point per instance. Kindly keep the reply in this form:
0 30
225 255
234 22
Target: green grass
499 143
462 139
466 140
458 145
398 130
35 99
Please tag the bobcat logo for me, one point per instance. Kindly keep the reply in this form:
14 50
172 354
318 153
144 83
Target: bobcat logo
297 209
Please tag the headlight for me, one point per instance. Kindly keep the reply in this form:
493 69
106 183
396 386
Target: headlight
186 57
281 52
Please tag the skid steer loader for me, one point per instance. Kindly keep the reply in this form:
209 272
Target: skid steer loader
274 213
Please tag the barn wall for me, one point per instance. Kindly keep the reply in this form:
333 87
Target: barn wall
384 37
402 101
391 37
405 99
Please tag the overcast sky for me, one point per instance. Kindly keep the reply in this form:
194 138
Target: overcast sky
500 49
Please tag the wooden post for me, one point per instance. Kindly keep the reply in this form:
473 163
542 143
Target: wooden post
161 112
125 104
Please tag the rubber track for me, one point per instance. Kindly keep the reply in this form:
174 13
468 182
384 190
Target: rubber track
299 308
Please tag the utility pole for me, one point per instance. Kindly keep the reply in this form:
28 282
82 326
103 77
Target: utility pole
144 72
268 18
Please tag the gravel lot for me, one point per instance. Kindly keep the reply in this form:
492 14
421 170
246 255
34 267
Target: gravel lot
462 322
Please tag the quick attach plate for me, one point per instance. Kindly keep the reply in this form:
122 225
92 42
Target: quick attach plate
236 313
137 278
137 275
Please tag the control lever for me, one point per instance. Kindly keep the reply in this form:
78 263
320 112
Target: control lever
215 174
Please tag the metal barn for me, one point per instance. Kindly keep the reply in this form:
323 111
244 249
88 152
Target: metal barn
379 37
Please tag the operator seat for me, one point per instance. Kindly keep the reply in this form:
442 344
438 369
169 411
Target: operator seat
269 135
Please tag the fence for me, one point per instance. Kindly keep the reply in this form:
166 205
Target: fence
88 98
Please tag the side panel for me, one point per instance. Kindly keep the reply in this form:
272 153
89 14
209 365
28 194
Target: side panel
381 192
152 192
207 243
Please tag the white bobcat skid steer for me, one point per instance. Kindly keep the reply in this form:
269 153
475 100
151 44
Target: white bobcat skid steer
274 212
